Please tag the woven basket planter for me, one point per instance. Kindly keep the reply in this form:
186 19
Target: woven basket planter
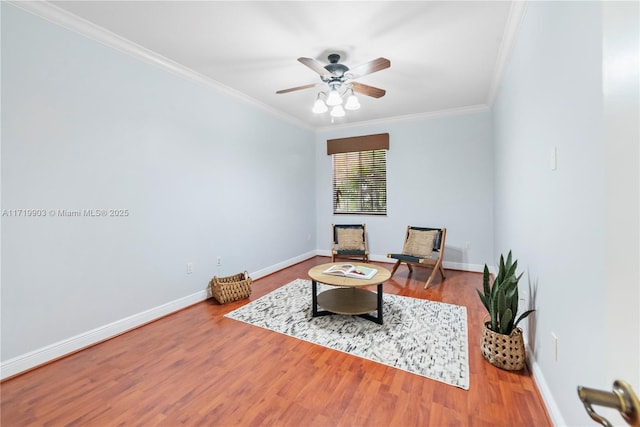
504 351
231 288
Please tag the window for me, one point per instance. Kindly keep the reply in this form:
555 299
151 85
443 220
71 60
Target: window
360 182
359 174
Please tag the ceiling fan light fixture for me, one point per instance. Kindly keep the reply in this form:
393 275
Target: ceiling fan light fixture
334 98
319 106
339 90
352 102
337 111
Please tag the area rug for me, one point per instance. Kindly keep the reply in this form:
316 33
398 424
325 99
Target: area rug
424 337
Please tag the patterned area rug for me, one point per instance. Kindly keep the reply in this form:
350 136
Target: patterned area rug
423 337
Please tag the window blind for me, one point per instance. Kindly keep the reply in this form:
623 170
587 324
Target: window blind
360 182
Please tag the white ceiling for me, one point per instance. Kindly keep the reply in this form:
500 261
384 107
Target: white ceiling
445 55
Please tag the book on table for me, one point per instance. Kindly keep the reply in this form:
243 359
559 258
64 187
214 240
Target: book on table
350 270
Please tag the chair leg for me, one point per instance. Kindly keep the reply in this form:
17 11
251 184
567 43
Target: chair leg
436 268
395 267
430 279
410 268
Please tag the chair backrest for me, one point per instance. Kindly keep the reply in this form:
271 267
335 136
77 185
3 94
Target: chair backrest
437 242
335 227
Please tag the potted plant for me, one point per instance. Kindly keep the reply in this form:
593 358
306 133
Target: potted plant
502 341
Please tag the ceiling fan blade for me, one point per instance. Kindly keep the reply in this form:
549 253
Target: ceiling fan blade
315 66
368 68
292 89
368 90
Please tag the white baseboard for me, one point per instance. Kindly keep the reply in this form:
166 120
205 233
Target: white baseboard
284 264
463 266
547 397
65 347
54 351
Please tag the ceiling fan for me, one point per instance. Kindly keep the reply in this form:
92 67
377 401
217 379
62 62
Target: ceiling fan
340 78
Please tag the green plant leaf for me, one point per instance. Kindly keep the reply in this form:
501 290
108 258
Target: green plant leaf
509 259
511 269
493 313
522 316
485 280
494 290
512 291
485 300
514 301
501 270
505 322
502 305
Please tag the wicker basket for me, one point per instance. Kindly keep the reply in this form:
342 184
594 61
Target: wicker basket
504 351
231 288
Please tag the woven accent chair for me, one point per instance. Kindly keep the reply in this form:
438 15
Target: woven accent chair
423 247
349 241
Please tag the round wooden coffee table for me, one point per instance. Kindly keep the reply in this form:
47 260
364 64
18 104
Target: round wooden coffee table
347 297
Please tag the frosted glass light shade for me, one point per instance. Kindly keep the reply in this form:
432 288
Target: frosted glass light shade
352 103
334 98
337 111
319 107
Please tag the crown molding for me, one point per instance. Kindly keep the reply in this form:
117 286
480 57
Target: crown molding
65 19
514 21
472 109
52 13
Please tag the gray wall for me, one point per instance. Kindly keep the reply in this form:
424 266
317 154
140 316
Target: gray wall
558 221
201 175
439 173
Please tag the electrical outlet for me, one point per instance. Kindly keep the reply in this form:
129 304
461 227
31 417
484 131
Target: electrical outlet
219 263
554 346
189 267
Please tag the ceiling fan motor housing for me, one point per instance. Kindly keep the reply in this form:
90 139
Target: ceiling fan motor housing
336 70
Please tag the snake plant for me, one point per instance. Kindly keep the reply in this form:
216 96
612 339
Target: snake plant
501 298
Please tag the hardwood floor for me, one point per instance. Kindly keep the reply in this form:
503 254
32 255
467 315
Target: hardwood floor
196 367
